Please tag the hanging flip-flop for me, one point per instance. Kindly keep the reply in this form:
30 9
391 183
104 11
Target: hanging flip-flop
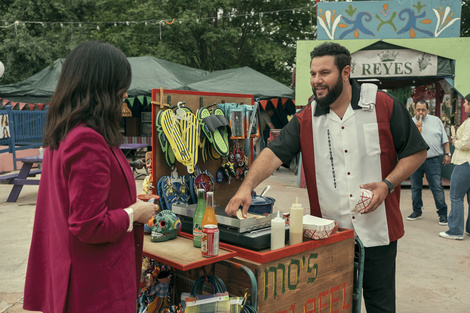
213 128
170 193
163 205
164 144
219 113
171 128
190 182
190 129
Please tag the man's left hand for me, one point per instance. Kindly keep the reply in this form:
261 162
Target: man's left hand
446 160
380 190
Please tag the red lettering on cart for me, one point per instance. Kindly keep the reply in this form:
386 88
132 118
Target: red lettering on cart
333 300
345 306
291 310
310 301
325 300
322 305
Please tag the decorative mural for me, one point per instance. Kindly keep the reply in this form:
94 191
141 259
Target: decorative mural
388 19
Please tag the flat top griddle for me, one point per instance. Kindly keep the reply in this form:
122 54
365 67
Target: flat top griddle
229 222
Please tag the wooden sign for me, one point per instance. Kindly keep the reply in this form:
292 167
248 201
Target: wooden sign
315 281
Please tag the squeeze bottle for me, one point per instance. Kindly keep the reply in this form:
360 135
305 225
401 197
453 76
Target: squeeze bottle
197 218
296 225
278 232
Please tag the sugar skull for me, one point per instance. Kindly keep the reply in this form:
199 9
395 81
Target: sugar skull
166 226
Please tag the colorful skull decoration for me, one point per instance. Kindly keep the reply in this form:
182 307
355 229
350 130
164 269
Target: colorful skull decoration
166 226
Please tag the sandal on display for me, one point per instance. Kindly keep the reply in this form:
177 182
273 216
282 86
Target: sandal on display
160 183
164 144
172 129
190 129
214 130
226 133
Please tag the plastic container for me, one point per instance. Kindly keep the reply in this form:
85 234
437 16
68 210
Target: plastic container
296 223
278 232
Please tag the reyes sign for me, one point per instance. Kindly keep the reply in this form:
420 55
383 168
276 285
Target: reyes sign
392 63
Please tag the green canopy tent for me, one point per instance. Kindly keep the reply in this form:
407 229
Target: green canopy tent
243 80
150 73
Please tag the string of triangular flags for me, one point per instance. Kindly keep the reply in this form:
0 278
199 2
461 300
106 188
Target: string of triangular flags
275 102
22 105
144 100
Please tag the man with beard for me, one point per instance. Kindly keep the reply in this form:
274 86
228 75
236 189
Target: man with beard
353 137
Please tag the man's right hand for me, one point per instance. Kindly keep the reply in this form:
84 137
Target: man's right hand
241 198
264 165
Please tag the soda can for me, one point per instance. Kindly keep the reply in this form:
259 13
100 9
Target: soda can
210 240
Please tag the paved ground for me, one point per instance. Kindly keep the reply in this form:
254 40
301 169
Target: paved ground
433 274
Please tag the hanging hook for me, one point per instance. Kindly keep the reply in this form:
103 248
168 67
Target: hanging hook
181 112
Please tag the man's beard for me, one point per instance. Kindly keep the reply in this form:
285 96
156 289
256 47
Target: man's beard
332 94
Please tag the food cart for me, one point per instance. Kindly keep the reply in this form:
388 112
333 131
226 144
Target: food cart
313 276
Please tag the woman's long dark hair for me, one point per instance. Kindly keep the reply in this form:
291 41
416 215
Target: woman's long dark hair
91 87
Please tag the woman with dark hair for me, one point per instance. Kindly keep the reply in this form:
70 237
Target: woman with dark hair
86 250
460 180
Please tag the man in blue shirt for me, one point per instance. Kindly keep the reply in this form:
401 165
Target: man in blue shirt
435 136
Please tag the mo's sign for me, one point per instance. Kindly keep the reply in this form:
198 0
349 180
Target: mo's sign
392 63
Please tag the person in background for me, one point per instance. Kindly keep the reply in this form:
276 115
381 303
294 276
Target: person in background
348 142
460 180
435 136
86 248
264 122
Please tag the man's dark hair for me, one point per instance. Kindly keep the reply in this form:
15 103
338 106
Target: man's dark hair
341 54
467 97
424 102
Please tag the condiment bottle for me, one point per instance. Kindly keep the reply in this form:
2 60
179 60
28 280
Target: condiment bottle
278 232
209 214
197 218
296 225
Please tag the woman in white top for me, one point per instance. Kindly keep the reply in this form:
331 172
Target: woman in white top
460 180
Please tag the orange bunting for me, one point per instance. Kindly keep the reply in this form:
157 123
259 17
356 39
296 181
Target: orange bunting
5 102
40 106
284 100
31 106
13 104
263 103
274 101
22 105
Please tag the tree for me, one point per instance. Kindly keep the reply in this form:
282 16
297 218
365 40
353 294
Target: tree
205 34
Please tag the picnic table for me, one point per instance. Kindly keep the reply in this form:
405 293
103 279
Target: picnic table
130 150
18 180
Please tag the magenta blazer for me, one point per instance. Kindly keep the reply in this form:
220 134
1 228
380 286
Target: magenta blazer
82 259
